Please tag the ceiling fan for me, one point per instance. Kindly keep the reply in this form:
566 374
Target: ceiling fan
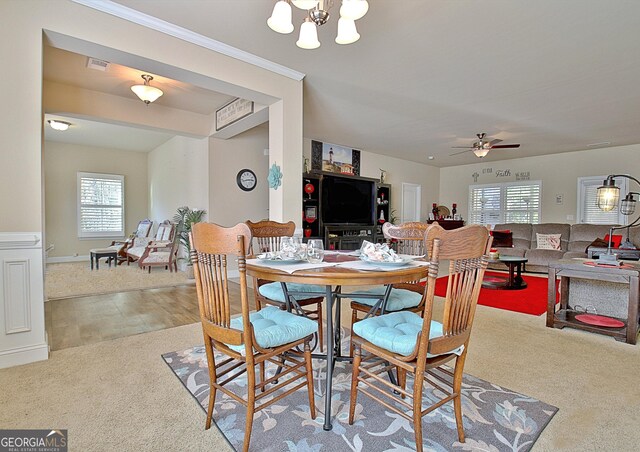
481 147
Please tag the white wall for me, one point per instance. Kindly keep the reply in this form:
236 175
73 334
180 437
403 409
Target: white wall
228 204
559 175
62 161
397 172
107 36
178 176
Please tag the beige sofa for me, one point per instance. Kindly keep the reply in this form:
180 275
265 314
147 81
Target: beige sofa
574 240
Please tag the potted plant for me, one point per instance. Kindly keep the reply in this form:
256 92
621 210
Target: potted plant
185 218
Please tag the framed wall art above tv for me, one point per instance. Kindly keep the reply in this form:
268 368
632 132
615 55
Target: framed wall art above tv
334 158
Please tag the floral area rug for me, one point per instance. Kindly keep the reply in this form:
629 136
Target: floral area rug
495 418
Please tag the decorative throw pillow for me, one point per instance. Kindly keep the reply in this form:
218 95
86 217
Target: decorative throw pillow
597 243
548 241
502 238
615 240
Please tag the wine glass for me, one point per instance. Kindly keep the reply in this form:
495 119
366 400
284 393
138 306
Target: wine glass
315 251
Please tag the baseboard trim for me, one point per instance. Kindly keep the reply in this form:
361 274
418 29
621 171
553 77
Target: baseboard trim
24 355
61 259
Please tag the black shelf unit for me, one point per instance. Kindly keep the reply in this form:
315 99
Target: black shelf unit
383 207
343 236
311 220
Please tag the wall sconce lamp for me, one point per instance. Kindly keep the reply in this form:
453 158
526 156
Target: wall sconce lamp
607 199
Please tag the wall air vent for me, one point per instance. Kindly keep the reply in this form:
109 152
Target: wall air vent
99 65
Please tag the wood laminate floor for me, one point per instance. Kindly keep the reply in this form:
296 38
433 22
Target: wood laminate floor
79 321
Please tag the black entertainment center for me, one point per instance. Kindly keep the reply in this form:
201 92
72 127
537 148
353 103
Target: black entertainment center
342 209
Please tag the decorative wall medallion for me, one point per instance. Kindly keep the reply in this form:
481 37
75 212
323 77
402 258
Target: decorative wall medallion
275 177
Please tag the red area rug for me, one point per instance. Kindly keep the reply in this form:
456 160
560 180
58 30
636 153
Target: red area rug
532 300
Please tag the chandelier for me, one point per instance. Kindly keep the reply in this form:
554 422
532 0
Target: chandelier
318 14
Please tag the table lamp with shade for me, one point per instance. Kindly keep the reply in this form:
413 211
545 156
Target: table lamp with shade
607 199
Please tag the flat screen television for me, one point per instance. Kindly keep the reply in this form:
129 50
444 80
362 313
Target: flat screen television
348 201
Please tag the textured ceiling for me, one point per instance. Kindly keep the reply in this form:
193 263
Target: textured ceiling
426 75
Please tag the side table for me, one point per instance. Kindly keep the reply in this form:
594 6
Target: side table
567 269
110 253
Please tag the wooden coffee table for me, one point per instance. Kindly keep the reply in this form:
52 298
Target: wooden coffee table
514 279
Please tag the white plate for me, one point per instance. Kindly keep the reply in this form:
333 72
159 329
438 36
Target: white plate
388 264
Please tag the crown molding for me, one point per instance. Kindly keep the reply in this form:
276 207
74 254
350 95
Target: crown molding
145 20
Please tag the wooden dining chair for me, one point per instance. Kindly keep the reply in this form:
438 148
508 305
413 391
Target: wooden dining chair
251 339
266 235
419 345
406 238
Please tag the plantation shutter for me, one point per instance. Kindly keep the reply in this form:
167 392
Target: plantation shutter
589 211
485 205
100 205
510 202
522 203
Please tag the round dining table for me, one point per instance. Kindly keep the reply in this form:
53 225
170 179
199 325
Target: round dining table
334 278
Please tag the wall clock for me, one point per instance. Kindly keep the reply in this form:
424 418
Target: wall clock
246 179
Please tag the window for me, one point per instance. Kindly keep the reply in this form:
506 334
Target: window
100 205
509 202
588 211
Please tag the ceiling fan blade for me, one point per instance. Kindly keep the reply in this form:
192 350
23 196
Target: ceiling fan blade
461 152
505 146
496 141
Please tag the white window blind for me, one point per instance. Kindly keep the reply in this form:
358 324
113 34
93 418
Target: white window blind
588 210
100 205
522 203
509 202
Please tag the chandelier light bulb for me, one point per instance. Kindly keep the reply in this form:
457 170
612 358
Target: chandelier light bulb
354 9
146 93
308 35
280 20
347 33
305 4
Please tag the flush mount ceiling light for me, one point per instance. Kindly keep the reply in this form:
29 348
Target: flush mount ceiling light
318 14
59 125
146 93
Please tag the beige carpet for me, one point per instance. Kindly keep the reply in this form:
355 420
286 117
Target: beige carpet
120 395
77 279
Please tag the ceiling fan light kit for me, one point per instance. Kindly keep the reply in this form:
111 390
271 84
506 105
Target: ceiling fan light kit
147 93
317 15
481 147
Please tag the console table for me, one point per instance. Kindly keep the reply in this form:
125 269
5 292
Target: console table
448 224
575 269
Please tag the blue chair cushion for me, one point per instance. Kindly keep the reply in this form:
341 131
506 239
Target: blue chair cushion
397 332
274 327
273 291
399 299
